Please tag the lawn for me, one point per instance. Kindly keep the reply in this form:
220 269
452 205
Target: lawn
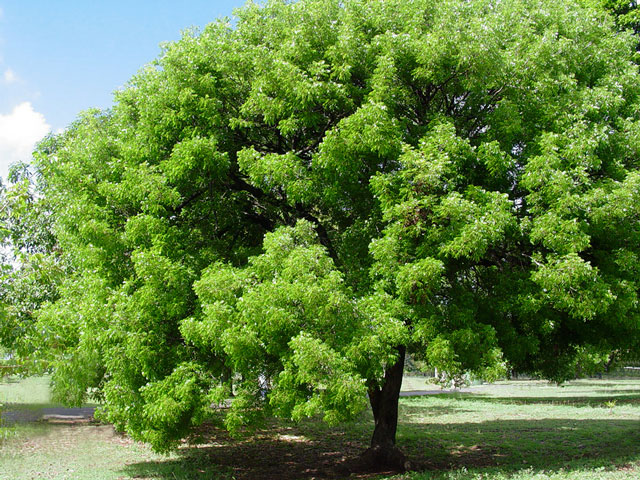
588 429
527 430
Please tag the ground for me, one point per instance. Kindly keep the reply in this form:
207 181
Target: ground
586 430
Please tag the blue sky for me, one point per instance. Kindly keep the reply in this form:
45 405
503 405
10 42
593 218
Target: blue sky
59 58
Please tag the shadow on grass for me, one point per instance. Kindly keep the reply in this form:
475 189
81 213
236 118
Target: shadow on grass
574 400
613 385
188 467
619 391
307 452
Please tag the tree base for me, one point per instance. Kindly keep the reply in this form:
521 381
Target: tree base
381 458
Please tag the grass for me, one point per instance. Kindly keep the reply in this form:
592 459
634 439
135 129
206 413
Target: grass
63 450
68 451
417 383
527 430
25 391
522 430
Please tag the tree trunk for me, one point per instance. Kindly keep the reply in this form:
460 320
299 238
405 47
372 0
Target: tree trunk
384 404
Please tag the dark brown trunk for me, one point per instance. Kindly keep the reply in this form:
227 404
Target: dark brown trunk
384 404
227 379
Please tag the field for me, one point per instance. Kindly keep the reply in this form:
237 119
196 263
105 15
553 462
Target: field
587 430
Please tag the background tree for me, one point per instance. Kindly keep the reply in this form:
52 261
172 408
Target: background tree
302 198
31 264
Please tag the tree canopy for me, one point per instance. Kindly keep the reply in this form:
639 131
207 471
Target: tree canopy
286 205
626 13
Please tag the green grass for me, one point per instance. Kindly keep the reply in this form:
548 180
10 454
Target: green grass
78 450
50 451
416 383
527 430
523 430
25 391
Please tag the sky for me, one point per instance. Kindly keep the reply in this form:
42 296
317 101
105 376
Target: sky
60 58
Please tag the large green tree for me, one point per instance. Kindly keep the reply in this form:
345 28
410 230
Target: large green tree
288 205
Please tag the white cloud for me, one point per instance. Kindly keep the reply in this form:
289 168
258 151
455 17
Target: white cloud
19 132
9 76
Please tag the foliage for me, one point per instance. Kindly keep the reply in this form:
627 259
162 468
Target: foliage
31 265
284 206
625 12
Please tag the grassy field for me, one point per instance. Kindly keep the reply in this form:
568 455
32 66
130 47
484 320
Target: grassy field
528 430
585 430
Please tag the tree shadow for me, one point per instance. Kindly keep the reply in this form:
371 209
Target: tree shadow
620 391
614 384
286 452
311 451
574 400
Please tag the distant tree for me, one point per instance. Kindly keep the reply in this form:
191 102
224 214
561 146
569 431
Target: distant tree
305 196
31 265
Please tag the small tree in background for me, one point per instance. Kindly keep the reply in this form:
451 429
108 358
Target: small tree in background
302 198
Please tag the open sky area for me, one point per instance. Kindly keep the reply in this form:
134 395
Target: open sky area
60 58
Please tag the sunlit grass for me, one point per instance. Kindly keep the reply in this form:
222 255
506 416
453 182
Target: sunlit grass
417 383
587 429
25 391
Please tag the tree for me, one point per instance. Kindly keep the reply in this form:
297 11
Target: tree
626 13
286 206
31 265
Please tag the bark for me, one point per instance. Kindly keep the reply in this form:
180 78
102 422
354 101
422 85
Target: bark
383 452
227 379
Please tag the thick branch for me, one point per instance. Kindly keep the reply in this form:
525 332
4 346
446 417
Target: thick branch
298 212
